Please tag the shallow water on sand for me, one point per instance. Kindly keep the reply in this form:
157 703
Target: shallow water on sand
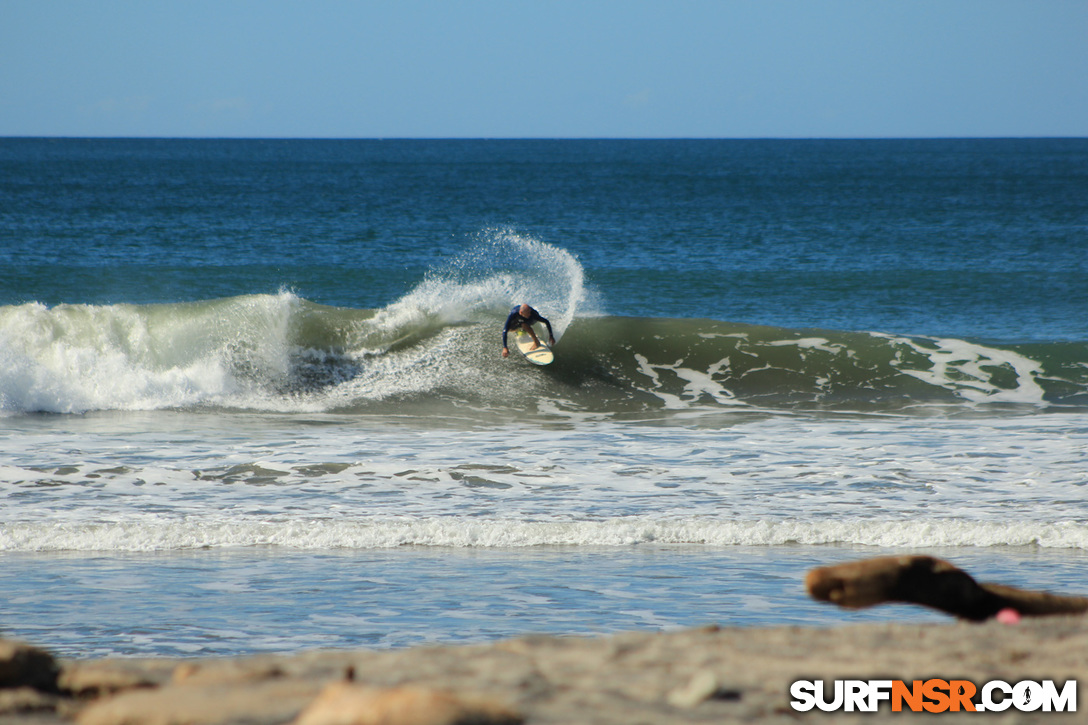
245 601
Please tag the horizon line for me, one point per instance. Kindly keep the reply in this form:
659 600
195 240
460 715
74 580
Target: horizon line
152 137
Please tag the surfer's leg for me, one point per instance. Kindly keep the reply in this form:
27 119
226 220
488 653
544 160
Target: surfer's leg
529 328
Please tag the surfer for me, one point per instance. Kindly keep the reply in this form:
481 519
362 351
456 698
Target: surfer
523 316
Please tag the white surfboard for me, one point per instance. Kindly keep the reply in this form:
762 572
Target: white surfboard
523 341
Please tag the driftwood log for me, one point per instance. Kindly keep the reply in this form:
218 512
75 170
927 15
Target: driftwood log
930 582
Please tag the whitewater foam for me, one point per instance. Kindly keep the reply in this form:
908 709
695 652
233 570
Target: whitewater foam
158 533
696 384
223 480
968 369
74 358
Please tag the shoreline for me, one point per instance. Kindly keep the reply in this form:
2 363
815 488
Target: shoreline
703 675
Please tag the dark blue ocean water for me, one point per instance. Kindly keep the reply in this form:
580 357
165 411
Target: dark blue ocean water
966 238
251 396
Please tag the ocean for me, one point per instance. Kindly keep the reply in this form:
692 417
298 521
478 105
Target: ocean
252 398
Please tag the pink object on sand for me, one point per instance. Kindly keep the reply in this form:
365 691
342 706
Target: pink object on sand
1008 616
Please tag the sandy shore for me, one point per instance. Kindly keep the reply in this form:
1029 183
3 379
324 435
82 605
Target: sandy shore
706 675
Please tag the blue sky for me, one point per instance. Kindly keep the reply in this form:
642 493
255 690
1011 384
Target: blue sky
544 68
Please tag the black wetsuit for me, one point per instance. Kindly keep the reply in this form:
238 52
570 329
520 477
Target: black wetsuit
515 321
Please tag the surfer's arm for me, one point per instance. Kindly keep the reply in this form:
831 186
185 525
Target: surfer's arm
506 328
551 336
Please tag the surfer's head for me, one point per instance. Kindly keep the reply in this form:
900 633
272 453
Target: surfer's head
525 310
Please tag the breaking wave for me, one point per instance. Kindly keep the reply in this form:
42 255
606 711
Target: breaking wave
437 348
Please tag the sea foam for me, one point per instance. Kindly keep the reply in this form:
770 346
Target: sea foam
151 533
